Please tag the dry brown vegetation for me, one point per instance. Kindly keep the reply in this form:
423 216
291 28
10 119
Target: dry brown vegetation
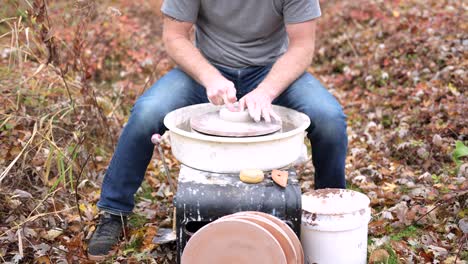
70 71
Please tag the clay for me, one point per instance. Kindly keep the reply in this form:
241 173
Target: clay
280 177
231 116
251 176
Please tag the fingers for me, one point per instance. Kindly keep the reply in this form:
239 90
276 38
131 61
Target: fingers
216 97
223 94
275 115
231 94
259 107
229 97
242 104
229 105
258 110
266 114
254 110
216 100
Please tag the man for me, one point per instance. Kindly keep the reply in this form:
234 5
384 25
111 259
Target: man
256 51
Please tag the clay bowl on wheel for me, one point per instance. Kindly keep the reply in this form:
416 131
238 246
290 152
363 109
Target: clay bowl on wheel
233 241
234 116
283 238
292 236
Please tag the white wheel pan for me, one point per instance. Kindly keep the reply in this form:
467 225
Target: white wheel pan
231 155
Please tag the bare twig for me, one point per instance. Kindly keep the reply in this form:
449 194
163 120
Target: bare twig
5 172
441 202
20 243
351 45
462 243
65 83
77 198
150 80
35 217
123 228
42 201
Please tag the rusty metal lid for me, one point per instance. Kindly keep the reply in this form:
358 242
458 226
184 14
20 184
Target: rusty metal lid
334 201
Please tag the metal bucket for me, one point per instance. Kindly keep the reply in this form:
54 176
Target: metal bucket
334 226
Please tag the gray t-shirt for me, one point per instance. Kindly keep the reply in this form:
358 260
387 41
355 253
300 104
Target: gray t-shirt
240 33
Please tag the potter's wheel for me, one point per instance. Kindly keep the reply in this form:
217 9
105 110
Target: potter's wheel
228 123
264 146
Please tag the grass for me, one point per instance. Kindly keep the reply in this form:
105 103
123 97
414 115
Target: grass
135 244
353 187
408 232
144 192
393 259
137 221
404 189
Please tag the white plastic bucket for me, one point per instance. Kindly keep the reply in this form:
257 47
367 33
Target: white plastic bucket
334 226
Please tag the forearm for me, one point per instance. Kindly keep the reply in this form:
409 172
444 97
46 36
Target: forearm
287 69
189 58
294 62
176 38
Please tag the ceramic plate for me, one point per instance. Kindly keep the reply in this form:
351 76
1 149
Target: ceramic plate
294 239
275 230
230 241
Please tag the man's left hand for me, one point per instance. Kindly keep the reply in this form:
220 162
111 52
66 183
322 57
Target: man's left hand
258 103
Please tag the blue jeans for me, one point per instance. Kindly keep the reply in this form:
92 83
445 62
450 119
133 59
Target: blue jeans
176 89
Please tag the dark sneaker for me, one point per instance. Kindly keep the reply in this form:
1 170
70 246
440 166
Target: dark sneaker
106 236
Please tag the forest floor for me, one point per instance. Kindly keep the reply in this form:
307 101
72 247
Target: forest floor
70 72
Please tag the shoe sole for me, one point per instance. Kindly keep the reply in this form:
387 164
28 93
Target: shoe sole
101 257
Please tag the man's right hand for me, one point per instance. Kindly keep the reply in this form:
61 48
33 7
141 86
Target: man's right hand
221 91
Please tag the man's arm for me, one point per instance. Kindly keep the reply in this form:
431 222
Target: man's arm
176 38
285 71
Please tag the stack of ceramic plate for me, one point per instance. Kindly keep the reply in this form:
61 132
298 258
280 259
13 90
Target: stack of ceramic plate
244 237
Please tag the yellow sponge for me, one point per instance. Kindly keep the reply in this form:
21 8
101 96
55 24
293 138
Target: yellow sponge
251 176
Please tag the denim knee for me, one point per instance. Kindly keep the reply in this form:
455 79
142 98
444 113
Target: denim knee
327 125
147 118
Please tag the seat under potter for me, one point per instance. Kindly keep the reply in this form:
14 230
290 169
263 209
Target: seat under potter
203 197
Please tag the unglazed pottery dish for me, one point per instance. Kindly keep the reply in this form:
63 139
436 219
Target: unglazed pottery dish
294 239
233 241
283 238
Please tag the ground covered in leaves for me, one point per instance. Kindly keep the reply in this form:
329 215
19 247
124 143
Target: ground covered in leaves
70 71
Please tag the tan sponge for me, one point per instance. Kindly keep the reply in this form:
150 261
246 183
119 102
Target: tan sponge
251 176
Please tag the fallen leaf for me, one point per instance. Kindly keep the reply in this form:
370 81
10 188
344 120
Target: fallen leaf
379 256
389 187
463 224
42 260
52 234
21 194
